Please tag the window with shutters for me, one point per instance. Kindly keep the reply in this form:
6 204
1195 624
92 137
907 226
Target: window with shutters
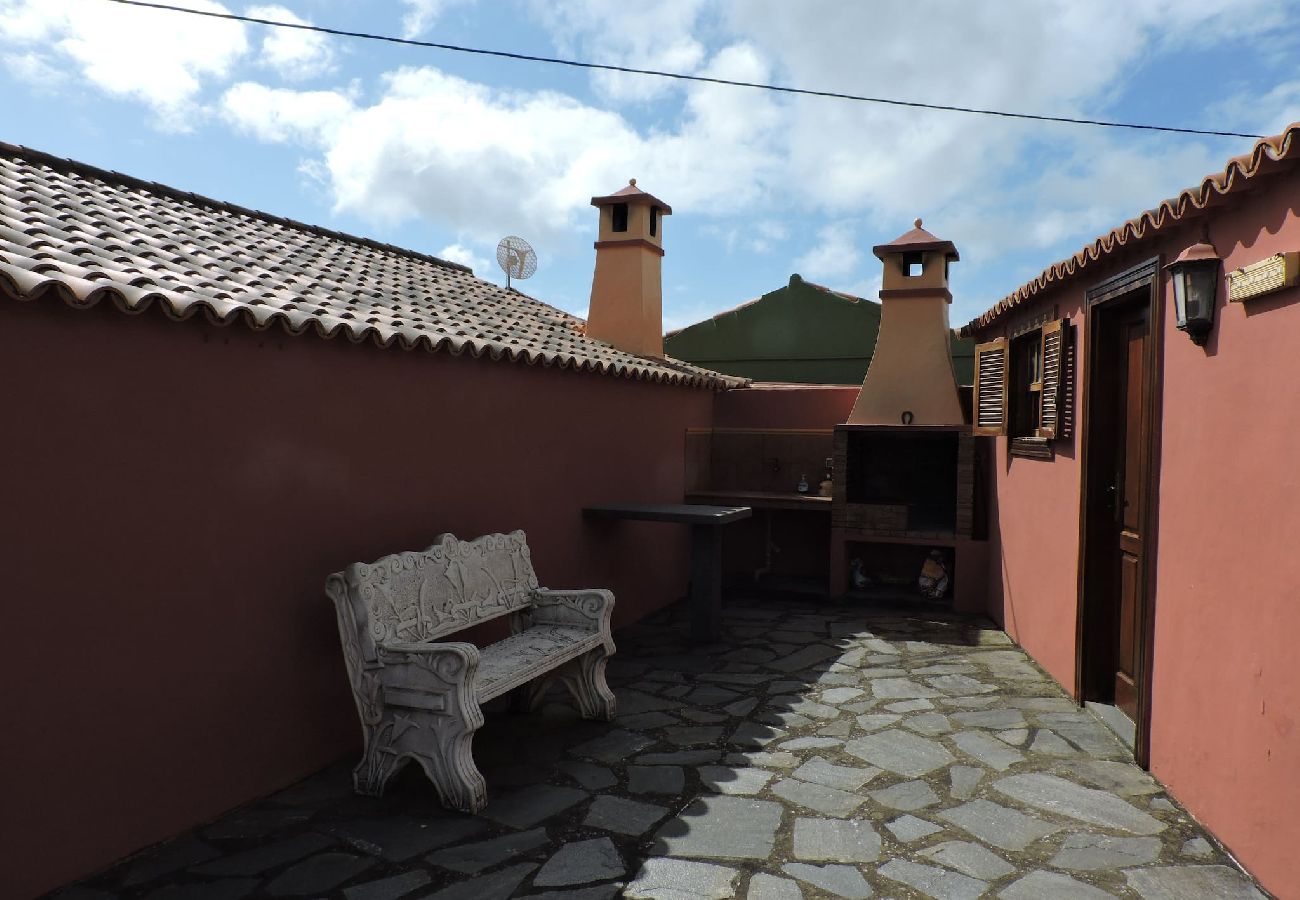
1020 388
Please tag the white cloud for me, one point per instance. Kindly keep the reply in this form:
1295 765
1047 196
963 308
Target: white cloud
294 53
281 115
835 255
159 58
661 36
422 14
466 256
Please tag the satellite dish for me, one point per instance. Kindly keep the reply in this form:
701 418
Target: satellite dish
516 258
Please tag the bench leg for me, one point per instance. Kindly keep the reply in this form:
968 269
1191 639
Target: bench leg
459 783
377 767
529 696
585 679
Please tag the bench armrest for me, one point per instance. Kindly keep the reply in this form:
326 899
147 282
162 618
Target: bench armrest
590 609
434 677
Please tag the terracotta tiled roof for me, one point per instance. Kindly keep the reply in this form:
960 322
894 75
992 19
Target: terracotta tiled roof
1234 177
84 234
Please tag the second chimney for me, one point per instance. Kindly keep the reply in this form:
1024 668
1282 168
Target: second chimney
627 290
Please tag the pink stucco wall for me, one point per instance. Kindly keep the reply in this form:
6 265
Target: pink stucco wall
1225 727
176 493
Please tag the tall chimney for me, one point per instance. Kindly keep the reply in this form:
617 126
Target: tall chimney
910 380
627 291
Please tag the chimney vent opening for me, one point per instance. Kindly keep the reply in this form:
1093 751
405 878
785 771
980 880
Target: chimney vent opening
913 263
654 221
619 213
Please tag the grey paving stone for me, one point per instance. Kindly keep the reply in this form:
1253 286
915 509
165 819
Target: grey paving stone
932 881
1197 847
997 825
693 735
963 780
701 717
632 702
679 758
170 857
900 752
598 892
647 721
623 816
987 750
528 806
1048 792
805 658
711 695
1040 885
771 760
390 888
991 718
1084 851
970 859
754 734
222 889
928 724
946 669
735 780
1163 804
1183 882
784 718
655 779
1047 743
907 706
836 696
661 878
770 887
902 689
1014 736
741 707
1121 778
589 775
268 856
803 707
613 746
810 743
841 881
1094 739
910 828
582 862
960 684
399 838
475 857
252 823
876 721
317 874
819 798
841 728
496 886
906 795
847 778
721 827
836 840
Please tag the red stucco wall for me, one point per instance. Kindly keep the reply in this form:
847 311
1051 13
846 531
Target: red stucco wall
1225 728
768 405
176 493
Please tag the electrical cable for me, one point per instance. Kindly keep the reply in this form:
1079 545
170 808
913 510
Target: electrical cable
680 76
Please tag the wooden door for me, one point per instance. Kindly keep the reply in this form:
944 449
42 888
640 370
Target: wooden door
1129 488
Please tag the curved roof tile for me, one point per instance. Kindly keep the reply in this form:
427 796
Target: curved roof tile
85 235
1238 171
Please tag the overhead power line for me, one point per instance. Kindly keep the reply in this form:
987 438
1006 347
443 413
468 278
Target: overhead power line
681 76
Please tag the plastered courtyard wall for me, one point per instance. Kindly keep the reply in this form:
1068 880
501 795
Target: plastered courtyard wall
176 494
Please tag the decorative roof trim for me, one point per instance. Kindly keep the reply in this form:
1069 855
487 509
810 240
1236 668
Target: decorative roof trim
1284 147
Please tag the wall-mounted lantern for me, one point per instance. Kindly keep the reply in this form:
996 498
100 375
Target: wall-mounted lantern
1195 274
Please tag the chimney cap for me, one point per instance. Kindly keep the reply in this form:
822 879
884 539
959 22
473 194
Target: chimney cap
633 194
914 241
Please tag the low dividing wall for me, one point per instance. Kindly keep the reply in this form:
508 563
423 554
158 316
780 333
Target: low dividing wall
176 493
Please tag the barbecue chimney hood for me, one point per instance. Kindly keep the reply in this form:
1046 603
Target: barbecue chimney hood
910 380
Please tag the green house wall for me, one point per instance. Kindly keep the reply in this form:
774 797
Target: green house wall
801 333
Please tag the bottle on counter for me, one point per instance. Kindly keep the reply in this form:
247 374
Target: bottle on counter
803 484
827 487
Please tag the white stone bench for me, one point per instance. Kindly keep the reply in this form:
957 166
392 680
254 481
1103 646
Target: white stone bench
418 697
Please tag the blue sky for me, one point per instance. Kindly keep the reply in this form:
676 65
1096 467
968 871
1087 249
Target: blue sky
446 153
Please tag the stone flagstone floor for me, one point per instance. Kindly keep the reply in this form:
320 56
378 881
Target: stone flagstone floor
820 750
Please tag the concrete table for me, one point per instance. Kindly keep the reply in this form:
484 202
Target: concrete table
706 551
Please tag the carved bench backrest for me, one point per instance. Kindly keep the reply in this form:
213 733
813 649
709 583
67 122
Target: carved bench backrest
424 595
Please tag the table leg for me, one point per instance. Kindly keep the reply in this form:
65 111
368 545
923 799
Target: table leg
706 583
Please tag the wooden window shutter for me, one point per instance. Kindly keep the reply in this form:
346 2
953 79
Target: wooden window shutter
991 387
1055 350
